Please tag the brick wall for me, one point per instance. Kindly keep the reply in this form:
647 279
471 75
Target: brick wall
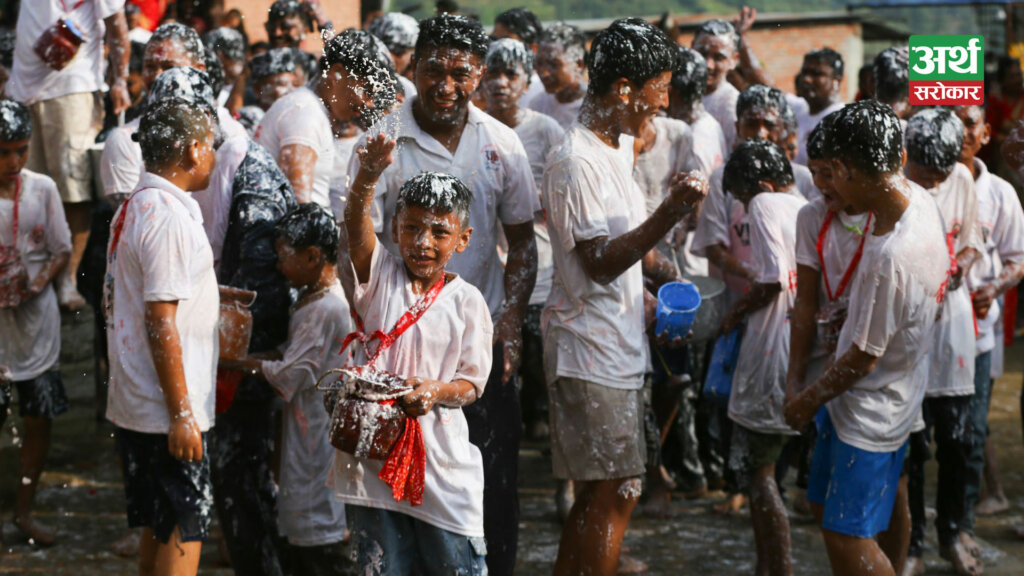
781 50
343 13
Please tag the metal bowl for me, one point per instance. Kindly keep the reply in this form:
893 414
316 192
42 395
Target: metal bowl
714 305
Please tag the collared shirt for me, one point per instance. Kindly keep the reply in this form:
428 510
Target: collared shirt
490 160
162 256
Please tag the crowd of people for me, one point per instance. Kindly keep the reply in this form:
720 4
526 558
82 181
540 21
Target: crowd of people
451 238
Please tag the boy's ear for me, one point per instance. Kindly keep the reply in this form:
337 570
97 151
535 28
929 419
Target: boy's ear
986 134
313 254
464 236
192 153
623 90
841 171
766 186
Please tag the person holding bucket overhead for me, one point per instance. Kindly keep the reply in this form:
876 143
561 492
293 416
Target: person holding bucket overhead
759 175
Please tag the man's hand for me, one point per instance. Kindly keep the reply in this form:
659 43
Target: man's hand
119 97
509 331
800 410
687 190
745 21
982 300
376 156
422 398
184 440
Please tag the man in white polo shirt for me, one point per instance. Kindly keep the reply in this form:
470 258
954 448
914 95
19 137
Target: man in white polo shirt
441 131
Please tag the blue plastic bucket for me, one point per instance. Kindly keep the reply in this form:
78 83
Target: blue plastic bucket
677 308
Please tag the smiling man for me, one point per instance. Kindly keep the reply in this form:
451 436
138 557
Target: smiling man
357 85
440 130
718 42
818 83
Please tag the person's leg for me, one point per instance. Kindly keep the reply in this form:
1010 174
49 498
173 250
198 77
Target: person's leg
978 422
657 490
325 560
441 553
895 541
995 500
41 400
495 428
534 393
147 553
382 542
771 524
592 535
919 454
244 491
852 556
953 442
177 557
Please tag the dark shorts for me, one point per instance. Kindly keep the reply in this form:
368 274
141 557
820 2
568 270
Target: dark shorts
162 491
750 450
41 397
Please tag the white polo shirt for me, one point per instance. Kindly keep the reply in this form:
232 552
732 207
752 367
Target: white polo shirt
162 256
490 161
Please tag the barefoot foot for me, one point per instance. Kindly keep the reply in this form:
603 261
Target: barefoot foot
732 504
128 545
913 567
630 565
972 546
962 561
37 534
992 505
565 497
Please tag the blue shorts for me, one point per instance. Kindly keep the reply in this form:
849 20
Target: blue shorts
389 543
857 487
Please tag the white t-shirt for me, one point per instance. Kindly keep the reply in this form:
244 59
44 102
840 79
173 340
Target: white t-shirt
301 118
893 301
139 35
163 256
408 87
490 161
215 201
340 178
30 333
721 104
709 147
451 341
952 353
593 331
32 80
806 122
540 135
838 249
804 181
307 512
564 113
671 153
1001 223
121 164
759 384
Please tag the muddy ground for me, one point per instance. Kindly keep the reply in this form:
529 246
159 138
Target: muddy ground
81 495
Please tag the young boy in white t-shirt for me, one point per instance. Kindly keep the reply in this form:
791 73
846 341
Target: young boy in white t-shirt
934 138
34 236
308 515
685 102
998 270
874 388
444 355
758 174
162 310
562 70
719 43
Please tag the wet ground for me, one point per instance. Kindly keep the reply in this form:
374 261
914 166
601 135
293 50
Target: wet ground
81 496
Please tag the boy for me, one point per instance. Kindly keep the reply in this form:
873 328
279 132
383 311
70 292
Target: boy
685 102
440 130
228 45
34 236
523 25
818 83
829 249
273 76
718 42
755 405
445 357
398 32
162 310
934 138
309 516
561 68
509 65
600 241
999 270
874 388
357 85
